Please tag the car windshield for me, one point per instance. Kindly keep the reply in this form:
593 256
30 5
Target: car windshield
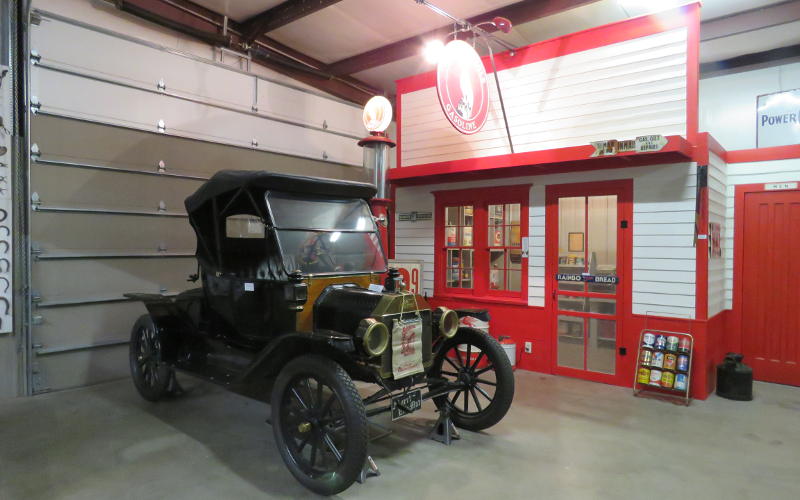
326 235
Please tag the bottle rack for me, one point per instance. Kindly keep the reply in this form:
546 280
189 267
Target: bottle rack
666 386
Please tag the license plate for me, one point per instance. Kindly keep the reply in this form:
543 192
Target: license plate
406 403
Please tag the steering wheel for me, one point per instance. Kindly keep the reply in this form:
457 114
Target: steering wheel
314 252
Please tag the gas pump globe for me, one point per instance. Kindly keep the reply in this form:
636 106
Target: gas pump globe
377 117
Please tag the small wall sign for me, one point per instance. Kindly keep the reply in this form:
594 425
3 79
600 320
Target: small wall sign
778 119
642 144
777 186
588 278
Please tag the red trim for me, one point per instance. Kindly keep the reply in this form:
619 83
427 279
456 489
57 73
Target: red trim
479 198
692 12
376 138
677 149
624 190
701 259
592 38
764 154
392 221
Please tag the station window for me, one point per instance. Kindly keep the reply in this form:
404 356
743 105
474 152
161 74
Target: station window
479 242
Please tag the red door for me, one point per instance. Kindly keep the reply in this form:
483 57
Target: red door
587 251
771 285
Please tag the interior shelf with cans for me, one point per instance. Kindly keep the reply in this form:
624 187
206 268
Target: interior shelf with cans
664 364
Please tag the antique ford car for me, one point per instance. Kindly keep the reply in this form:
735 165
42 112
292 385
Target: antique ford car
294 307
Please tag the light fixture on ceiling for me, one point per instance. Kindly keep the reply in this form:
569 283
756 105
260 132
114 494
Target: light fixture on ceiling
433 50
641 7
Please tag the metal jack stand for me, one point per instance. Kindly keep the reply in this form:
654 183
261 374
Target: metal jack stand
444 430
370 470
174 388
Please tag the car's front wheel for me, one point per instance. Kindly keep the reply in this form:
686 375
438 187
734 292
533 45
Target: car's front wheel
476 362
320 424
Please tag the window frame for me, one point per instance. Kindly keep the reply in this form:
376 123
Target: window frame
480 199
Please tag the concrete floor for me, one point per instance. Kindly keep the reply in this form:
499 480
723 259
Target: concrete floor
563 439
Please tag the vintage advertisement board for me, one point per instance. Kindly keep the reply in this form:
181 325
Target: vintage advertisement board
778 119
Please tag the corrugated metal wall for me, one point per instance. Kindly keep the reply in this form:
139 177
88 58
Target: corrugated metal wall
108 182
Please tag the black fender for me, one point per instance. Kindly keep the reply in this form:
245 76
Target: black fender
170 320
287 346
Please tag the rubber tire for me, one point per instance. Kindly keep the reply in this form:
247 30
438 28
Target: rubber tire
161 390
334 376
504 392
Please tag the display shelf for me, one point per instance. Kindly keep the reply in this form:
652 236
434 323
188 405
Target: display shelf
683 345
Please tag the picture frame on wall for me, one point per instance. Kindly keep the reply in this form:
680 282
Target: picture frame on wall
575 242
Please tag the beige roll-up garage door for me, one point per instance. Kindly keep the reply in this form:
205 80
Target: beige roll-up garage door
108 218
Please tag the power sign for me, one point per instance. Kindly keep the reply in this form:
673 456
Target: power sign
778 119
461 86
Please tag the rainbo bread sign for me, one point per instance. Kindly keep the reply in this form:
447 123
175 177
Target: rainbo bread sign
461 86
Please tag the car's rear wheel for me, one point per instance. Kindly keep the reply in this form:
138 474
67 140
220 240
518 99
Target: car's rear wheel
150 374
320 424
478 363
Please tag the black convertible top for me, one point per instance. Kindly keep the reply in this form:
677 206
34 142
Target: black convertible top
228 181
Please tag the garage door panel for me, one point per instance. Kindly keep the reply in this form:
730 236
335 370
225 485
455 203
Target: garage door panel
67 326
75 278
80 368
55 232
99 54
80 141
73 96
76 187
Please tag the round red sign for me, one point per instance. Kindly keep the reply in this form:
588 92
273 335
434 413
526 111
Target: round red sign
462 89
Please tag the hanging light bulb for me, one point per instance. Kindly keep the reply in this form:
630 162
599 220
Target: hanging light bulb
433 50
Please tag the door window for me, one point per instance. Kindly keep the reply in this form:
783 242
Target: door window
586 289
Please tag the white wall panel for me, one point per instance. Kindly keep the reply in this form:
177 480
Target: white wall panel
617 91
664 258
728 102
749 173
717 186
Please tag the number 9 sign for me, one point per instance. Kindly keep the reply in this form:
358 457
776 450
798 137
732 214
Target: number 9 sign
411 272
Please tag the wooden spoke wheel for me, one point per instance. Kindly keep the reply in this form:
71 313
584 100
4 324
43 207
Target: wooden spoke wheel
320 424
476 362
150 374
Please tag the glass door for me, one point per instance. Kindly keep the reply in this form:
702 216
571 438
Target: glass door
586 287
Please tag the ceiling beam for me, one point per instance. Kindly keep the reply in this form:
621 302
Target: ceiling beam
517 13
783 54
750 20
281 15
198 22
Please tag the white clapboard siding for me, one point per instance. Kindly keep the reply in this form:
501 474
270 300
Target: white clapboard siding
717 182
620 90
89 78
664 258
749 173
